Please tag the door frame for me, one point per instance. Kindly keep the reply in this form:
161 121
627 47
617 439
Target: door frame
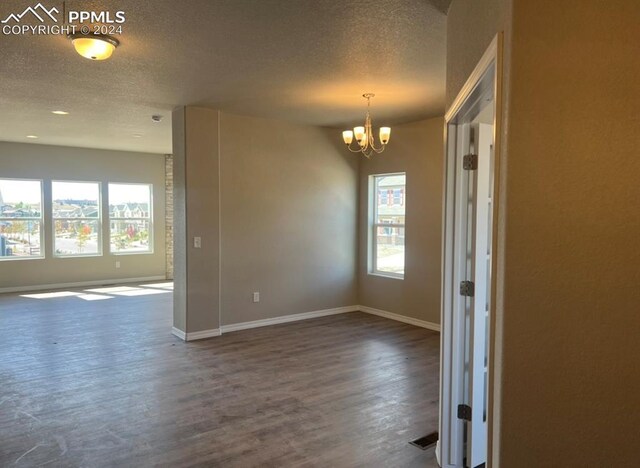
492 57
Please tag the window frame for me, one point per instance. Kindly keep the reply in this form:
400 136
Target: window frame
374 225
100 252
150 219
40 220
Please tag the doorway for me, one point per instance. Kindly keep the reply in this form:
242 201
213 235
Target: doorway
469 267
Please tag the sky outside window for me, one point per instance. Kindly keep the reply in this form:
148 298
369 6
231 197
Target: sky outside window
128 193
16 191
75 191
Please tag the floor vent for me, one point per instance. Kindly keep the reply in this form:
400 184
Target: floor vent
425 442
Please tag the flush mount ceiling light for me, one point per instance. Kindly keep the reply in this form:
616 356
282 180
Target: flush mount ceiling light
94 46
364 135
60 112
32 137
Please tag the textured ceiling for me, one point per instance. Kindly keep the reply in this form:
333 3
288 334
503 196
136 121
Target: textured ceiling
306 61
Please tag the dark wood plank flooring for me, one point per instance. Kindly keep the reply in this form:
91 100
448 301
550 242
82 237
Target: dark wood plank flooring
88 383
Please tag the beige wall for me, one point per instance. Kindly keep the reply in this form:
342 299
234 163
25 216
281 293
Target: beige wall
569 234
281 223
61 163
288 219
573 199
417 149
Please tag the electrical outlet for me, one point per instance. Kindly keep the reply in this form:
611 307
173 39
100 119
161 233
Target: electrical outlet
256 297
117 264
197 242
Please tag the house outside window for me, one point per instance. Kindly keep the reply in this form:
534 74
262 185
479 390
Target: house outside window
387 224
76 219
21 233
130 218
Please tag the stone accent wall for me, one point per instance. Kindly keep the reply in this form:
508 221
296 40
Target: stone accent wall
168 184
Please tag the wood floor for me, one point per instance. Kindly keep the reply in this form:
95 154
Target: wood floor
98 380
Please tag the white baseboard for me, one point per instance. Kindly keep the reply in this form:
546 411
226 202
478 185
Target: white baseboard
81 284
199 335
179 333
287 318
401 318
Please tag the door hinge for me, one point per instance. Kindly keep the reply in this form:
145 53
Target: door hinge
470 162
467 288
464 412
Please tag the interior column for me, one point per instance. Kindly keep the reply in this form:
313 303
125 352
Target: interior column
196 308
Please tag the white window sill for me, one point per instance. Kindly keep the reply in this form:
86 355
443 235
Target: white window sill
131 253
19 258
387 275
77 256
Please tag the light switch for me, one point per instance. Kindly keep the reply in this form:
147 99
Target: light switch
117 264
197 242
256 297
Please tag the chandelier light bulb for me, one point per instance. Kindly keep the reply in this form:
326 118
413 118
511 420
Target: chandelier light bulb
385 133
347 136
359 133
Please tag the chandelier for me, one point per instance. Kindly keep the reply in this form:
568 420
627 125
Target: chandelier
364 135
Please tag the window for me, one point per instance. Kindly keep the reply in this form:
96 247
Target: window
76 219
387 211
130 218
20 219
398 196
383 197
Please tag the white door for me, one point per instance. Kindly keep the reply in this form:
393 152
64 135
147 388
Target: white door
470 296
467 281
478 301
